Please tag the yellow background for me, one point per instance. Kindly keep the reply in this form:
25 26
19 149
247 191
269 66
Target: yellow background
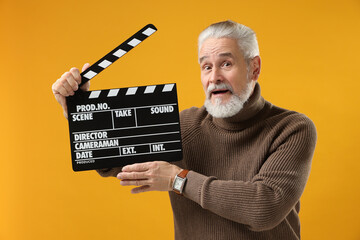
310 63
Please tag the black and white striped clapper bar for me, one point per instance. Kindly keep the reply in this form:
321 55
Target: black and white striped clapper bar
116 127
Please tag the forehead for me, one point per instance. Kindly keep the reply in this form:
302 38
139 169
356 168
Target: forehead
218 46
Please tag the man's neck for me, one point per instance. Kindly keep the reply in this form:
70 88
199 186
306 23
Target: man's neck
251 108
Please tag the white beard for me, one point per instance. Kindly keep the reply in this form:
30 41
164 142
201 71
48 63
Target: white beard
232 107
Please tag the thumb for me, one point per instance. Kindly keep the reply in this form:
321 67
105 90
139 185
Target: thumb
86 66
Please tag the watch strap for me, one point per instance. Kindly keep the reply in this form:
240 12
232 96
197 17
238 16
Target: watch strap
182 175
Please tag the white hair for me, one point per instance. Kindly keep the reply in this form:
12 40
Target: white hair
245 37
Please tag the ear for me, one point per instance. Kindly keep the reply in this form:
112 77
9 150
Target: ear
255 66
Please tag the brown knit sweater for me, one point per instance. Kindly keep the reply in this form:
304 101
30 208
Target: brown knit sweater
247 173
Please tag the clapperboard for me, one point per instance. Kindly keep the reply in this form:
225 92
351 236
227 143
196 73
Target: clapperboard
116 127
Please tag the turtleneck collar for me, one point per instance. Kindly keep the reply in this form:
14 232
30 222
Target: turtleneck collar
244 117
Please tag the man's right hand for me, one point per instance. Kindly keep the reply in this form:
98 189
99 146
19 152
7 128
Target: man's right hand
67 84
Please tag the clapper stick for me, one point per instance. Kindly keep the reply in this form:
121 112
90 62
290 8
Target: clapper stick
117 53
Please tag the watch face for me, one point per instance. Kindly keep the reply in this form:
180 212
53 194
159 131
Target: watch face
178 183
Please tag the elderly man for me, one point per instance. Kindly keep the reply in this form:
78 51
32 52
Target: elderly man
246 161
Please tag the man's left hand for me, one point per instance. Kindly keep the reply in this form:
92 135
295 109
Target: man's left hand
150 176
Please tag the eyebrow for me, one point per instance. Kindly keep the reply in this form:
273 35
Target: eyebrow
226 54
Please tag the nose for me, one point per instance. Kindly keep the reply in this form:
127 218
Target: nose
215 76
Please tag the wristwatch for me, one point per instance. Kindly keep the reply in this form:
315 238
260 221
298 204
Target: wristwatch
179 182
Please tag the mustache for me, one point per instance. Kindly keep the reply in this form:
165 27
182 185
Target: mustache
213 86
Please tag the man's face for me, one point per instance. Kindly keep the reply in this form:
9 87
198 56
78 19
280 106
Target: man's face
221 61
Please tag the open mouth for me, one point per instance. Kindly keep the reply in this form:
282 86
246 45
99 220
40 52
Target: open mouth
219 91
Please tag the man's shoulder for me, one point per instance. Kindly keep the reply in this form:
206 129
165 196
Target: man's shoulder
284 113
284 118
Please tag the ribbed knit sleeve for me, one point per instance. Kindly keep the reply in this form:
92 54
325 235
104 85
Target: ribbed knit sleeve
264 201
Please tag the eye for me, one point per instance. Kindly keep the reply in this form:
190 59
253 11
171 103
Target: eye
206 67
226 64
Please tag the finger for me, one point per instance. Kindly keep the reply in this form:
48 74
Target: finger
137 182
86 66
71 80
76 74
62 91
131 175
141 189
68 88
137 167
57 87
